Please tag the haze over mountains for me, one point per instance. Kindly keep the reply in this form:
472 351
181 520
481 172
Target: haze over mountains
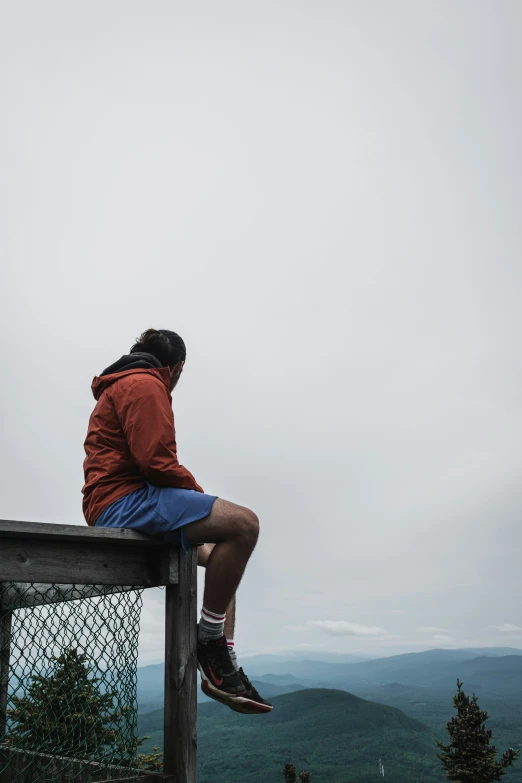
338 719
496 669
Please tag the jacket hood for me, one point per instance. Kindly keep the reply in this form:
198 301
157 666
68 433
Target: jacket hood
133 361
129 364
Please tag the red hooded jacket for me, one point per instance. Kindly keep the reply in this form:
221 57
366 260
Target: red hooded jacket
131 439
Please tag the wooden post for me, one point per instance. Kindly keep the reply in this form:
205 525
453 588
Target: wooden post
180 730
6 617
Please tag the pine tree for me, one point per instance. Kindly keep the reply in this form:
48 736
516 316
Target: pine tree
65 713
469 757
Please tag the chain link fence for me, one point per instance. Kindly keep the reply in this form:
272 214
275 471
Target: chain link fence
68 679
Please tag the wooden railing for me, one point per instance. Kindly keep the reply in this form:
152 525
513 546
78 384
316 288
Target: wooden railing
73 556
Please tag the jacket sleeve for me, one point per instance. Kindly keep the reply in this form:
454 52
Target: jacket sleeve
148 423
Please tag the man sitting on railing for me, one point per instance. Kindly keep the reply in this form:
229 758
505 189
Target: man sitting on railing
133 479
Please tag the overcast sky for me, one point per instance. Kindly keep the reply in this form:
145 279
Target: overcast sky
323 198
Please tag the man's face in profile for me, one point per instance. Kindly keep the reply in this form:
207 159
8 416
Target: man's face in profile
175 374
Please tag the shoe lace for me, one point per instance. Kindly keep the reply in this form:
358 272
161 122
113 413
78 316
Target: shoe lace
219 659
247 680
254 693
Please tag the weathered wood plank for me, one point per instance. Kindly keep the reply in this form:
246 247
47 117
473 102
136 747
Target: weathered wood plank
141 779
147 777
21 595
78 533
24 766
180 733
170 566
84 562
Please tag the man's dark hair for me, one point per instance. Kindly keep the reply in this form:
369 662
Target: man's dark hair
165 345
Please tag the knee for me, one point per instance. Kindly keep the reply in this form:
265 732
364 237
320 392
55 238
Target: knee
249 527
204 553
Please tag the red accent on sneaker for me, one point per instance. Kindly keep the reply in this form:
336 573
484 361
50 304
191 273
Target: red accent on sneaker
215 680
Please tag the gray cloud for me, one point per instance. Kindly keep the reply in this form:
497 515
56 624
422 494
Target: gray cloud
344 628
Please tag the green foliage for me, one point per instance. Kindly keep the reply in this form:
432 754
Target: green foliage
65 713
151 761
469 757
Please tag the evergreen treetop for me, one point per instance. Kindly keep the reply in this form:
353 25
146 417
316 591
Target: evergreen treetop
469 757
65 712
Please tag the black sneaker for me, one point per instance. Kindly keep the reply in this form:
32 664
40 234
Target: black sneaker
250 703
217 672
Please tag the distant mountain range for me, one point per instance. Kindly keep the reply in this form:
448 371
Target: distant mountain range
494 671
338 718
306 655
433 668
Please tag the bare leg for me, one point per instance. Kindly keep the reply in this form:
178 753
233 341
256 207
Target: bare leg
234 531
230 621
250 702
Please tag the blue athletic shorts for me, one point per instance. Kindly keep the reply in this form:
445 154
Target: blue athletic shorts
160 512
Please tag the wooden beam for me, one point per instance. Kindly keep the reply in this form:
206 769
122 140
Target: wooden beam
147 777
84 561
180 732
25 766
76 533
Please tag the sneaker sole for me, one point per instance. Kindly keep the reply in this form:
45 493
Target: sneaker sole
237 703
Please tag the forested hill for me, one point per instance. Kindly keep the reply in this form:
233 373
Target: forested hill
336 735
